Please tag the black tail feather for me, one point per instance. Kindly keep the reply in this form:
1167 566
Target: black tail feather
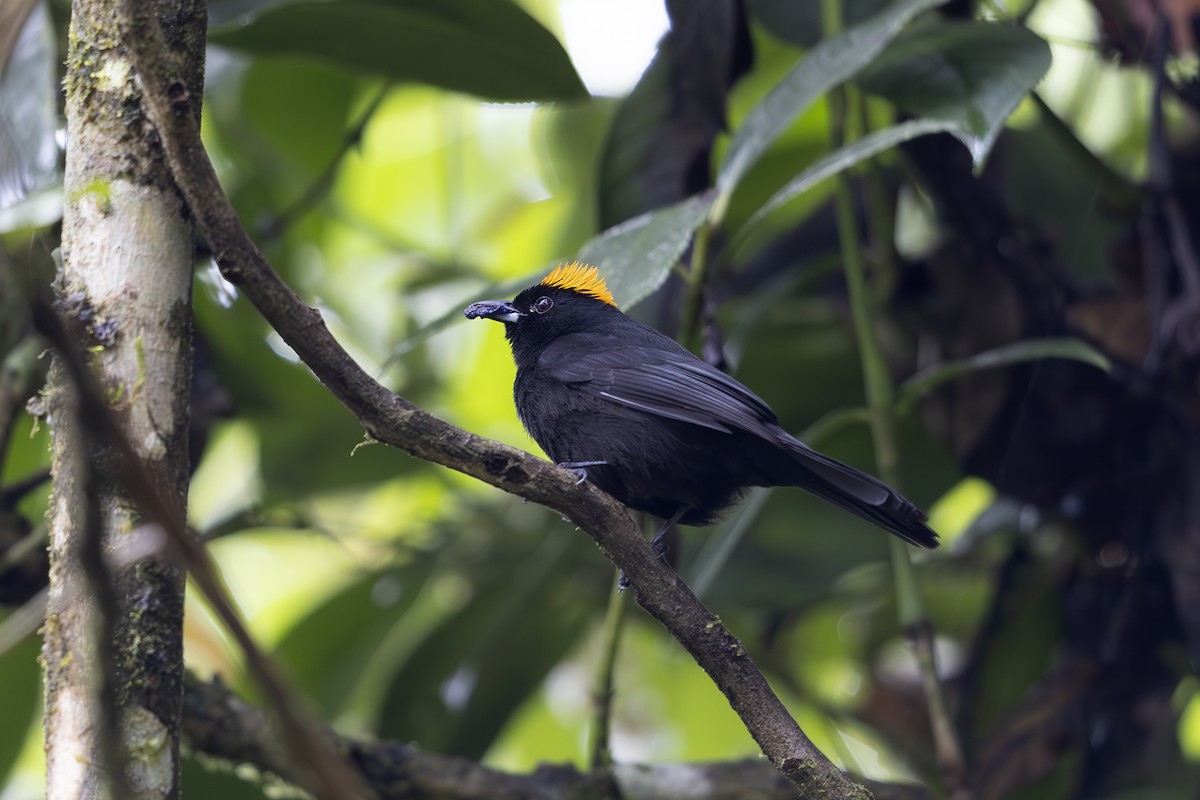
860 494
896 516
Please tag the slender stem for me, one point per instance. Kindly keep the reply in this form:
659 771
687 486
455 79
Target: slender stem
24 549
881 211
602 691
696 278
880 404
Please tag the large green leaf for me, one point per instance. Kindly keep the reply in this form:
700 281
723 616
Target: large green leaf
489 48
636 256
972 74
844 158
1013 652
829 64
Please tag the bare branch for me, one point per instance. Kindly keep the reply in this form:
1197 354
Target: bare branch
220 724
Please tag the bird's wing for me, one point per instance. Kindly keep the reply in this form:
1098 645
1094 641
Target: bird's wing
679 386
675 385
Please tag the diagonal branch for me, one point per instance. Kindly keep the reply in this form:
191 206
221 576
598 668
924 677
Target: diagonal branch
391 419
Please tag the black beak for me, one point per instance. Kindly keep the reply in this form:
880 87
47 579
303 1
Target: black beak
499 310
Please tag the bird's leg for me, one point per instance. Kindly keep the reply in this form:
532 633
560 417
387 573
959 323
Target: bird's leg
580 468
656 543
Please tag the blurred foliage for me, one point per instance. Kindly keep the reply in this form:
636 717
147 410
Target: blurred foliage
363 145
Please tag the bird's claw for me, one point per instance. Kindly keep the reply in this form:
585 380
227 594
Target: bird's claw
659 546
579 468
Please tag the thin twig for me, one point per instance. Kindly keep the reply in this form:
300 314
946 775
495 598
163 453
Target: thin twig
23 621
602 691
11 495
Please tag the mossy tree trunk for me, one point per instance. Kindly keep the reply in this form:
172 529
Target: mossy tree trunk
113 657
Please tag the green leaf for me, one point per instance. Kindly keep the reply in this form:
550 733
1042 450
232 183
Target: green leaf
307 134
844 158
489 48
635 257
972 74
211 777
829 64
929 379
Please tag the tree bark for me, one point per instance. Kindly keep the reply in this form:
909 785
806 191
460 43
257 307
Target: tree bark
113 649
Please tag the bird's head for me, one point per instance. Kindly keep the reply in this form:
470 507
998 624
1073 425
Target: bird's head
572 298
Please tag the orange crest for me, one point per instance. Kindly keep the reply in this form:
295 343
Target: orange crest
582 278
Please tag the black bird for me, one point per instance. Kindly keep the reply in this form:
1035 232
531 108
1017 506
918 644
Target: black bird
646 421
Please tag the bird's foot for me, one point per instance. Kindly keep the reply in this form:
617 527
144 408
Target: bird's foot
657 543
580 468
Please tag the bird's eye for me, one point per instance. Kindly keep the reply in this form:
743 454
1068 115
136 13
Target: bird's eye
543 305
